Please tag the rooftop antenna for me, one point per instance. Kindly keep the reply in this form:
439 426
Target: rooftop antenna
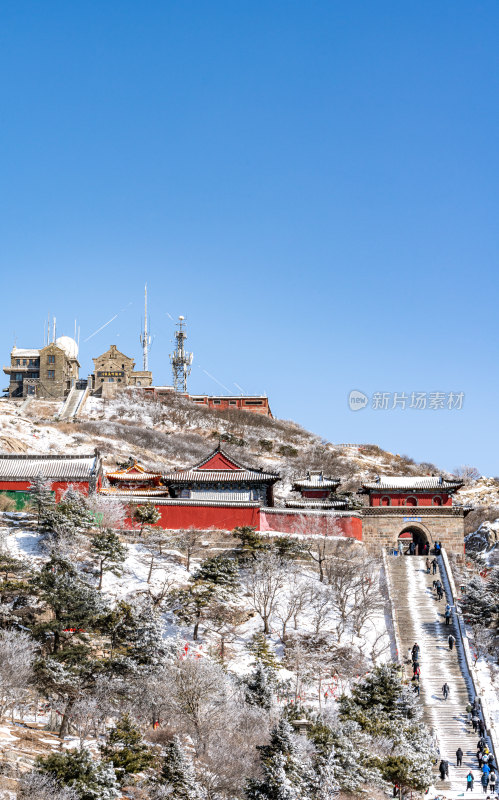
144 338
53 337
180 359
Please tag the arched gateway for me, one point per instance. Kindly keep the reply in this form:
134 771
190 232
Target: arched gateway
413 533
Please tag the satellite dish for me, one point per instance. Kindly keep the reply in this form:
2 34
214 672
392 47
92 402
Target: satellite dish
181 317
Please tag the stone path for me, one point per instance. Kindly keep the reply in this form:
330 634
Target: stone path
420 619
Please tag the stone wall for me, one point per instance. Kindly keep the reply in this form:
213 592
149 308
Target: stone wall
443 525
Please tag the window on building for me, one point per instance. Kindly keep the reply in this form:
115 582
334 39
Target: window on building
24 362
18 362
253 403
411 501
51 359
437 501
385 501
19 376
216 402
51 374
33 374
233 402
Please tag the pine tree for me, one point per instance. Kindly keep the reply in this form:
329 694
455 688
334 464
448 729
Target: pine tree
147 514
251 541
136 637
109 552
326 785
177 772
146 646
258 688
477 603
71 515
76 769
75 606
10 566
261 650
41 495
285 777
125 749
219 571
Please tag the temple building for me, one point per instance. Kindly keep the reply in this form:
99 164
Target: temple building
136 481
220 477
17 472
420 509
317 491
114 370
48 373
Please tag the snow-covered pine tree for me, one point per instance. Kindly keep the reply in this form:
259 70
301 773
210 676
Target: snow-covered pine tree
477 603
75 606
285 775
258 687
325 785
41 495
109 552
147 514
276 783
262 651
76 768
125 748
219 571
177 772
146 646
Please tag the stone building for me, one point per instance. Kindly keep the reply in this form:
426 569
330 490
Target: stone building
114 370
47 373
419 509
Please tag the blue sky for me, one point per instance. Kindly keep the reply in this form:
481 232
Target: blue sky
314 185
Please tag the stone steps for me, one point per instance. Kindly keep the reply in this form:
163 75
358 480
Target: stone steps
420 618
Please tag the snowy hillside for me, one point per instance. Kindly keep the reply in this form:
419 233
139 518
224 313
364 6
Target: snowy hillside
175 433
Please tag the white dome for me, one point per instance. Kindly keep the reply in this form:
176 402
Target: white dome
69 346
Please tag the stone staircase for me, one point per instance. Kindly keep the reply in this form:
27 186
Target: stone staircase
72 403
420 618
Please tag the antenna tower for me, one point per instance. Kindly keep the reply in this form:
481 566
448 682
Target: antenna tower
144 337
181 360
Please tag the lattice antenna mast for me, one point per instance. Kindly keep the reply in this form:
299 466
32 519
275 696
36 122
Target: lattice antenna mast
144 337
180 359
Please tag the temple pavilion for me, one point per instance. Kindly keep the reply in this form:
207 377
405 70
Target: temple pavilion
317 491
135 481
219 477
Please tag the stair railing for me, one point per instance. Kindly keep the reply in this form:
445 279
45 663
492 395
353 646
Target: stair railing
470 664
398 646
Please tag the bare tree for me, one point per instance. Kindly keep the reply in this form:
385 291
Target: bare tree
43 787
294 601
322 604
264 580
189 542
17 652
467 474
201 699
224 620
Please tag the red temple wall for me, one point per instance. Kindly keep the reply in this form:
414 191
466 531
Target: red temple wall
400 499
59 487
309 524
175 517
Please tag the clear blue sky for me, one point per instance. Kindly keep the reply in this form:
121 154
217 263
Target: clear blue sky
313 184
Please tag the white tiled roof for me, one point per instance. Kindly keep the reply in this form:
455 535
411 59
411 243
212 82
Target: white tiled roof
307 502
61 467
412 482
223 475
